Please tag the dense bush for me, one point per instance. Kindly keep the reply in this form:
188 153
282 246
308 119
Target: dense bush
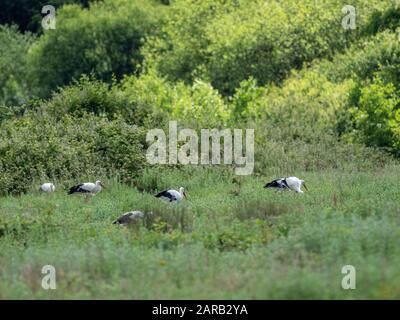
363 59
382 20
103 40
376 115
152 97
297 124
90 128
14 47
87 96
147 100
226 42
36 147
307 100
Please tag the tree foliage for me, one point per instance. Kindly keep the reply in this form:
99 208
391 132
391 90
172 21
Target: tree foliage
376 115
226 42
36 148
14 88
104 41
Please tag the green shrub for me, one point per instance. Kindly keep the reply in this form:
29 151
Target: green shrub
306 99
383 20
296 125
14 88
36 147
226 42
237 235
376 115
87 96
196 106
245 101
363 59
103 40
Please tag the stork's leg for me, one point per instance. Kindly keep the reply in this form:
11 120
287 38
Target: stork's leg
87 199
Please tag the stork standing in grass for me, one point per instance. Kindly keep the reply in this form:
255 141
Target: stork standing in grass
87 188
289 183
172 196
47 187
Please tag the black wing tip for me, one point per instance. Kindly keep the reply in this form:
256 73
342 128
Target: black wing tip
162 193
277 183
74 189
270 184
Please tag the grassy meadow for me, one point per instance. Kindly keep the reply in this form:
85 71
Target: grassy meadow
231 239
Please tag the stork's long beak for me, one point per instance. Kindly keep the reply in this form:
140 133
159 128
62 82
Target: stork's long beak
103 186
184 194
305 187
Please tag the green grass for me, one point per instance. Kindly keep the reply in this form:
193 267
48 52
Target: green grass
228 240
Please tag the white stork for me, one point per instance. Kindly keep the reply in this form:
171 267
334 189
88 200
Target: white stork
47 187
87 188
172 196
129 217
289 183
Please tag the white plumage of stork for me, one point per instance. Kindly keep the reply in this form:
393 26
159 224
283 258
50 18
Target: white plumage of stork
47 187
87 188
172 196
129 217
289 183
